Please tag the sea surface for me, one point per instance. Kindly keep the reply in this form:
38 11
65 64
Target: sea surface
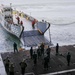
59 13
6 41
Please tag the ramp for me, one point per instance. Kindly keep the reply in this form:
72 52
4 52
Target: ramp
33 38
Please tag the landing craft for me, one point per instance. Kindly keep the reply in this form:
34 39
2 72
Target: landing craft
6 18
29 38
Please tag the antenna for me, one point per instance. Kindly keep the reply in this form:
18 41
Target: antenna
11 7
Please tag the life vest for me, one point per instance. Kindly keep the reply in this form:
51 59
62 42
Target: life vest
21 22
18 18
33 22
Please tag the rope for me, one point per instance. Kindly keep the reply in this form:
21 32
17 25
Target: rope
64 23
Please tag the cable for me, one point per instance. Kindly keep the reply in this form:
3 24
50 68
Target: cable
64 24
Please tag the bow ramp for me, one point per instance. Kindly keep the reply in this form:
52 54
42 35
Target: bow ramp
36 36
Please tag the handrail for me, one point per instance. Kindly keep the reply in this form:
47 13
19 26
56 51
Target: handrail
21 31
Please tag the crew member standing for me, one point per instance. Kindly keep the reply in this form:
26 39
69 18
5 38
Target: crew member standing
68 58
31 52
48 52
15 47
46 62
35 58
42 48
33 22
38 52
21 22
7 63
57 49
11 69
18 20
23 66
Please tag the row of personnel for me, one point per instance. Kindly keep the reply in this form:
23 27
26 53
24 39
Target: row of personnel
9 67
34 55
41 51
46 54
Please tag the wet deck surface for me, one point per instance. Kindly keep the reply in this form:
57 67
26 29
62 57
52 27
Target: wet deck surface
33 38
57 63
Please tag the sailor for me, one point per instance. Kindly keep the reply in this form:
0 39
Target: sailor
38 52
48 52
23 66
31 52
35 58
7 63
46 61
15 47
21 22
42 48
68 58
18 19
33 23
11 69
57 49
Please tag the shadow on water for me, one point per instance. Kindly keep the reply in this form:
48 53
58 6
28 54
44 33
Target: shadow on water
7 40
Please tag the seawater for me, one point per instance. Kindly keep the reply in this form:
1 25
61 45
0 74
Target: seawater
60 13
6 41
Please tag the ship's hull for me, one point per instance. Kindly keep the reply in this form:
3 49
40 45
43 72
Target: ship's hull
12 34
11 31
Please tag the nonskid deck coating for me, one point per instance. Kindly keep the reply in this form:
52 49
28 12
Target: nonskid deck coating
33 38
56 64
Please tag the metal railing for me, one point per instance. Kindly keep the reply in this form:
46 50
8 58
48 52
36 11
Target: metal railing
13 28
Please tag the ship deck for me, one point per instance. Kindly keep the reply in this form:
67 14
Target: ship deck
57 64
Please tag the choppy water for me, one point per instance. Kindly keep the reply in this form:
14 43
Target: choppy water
6 41
60 13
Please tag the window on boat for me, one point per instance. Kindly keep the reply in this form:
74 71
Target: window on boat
6 17
7 9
